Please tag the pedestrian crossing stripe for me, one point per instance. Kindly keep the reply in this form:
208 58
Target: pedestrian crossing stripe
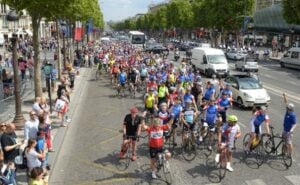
255 182
294 179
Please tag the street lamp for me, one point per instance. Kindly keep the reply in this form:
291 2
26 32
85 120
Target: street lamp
63 25
19 120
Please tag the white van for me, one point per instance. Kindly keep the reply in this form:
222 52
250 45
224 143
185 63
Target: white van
291 59
210 61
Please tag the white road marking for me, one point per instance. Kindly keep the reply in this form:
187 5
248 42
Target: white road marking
255 182
266 75
294 179
292 96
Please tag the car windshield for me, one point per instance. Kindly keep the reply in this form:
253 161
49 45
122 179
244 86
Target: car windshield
216 59
249 83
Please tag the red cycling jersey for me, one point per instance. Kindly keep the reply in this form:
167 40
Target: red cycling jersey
156 139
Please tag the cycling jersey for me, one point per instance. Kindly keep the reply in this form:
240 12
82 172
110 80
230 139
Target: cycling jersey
176 110
188 115
211 114
149 100
132 77
260 118
187 97
208 93
223 103
162 90
229 133
163 116
122 78
156 136
289 120
144 73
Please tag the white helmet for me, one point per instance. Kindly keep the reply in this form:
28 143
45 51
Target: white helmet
290 106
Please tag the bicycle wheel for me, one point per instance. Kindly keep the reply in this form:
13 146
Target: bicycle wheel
222 165
286 156
267 144
128 155
167 171
260 157
246 144
189 150
144 134
170 142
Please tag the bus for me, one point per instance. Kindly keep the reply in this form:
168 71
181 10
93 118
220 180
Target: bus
137 38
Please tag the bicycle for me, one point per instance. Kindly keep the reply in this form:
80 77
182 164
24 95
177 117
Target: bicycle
209 138
271 148
256 147
188 147
128 147
222 163
131 90
170 139
162 163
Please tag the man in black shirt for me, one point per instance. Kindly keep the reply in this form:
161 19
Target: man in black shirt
131 131
9 145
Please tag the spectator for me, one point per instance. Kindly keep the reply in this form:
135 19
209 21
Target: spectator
46 115
2 130
22 67
36 106
9 143
31 127
38 177
7 173
30 66
32 156
41 148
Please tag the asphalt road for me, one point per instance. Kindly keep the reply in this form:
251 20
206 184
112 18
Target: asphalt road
89 151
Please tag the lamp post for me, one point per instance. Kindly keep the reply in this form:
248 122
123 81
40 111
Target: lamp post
63 25
19 118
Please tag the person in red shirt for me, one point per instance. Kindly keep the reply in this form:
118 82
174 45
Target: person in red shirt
156 142
151 84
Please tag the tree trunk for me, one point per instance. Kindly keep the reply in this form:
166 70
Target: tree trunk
37 64
58 50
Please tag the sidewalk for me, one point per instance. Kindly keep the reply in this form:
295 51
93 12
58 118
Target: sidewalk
57 132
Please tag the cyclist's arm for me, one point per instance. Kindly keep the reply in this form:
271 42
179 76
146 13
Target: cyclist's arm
284 99
124 129
239 133
183 120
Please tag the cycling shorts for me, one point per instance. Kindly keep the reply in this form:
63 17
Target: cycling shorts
211 127
255 128
151 110
129 136
288 136
193 127
154 152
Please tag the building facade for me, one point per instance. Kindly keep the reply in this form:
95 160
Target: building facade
22 27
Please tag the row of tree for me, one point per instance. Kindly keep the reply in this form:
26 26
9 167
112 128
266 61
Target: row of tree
191 14
54 10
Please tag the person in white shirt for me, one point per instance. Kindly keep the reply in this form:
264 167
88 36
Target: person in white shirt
31 127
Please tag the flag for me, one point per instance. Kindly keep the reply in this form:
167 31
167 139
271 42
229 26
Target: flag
89 26
78 31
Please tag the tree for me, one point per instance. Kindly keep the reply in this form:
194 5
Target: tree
291 11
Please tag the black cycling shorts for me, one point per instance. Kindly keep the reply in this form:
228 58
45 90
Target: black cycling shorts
133 137
192 127
151 110
154 152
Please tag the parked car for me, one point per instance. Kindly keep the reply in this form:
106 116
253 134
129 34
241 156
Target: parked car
157 48
235 55
247 64
247 91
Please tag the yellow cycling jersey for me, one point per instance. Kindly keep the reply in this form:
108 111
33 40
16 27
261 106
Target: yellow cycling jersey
162 91
149 100
172 78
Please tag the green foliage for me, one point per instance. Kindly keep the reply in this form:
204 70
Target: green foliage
291 11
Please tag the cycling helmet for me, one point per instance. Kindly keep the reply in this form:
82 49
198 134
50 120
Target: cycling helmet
290 106
152 89
189 101
213 76
199 83
163 104
172 88
232 118
188 88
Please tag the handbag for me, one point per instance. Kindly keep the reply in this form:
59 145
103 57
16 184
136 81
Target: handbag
59 105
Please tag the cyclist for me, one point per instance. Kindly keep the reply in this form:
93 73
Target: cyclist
188 96
210 92
156 142
122 79
150 100
210 119
226 138
289 123
114 74
132 76
260 116
151 84
188 116
163 93
131 130
226 89
99 66
223 104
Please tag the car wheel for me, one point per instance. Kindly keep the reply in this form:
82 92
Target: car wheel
282 64
240 102
243 69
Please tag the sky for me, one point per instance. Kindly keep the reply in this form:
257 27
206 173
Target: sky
117 10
